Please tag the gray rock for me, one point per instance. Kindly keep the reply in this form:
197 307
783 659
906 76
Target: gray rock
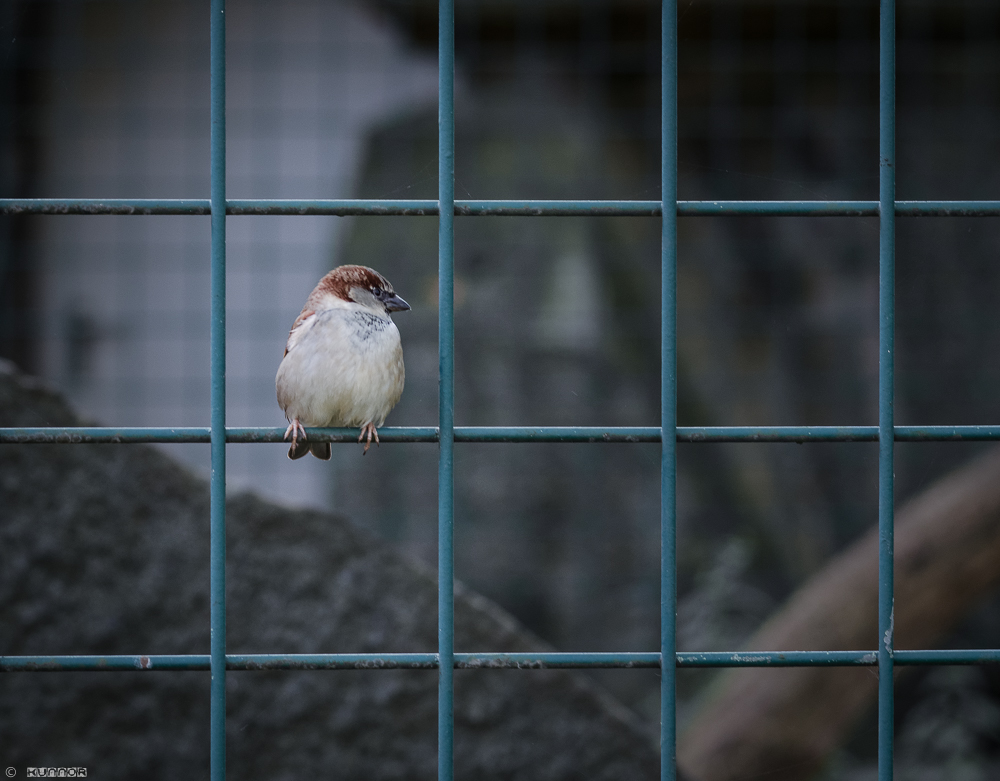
105 551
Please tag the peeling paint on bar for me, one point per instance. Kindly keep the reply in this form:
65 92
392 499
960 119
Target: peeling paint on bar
401 661
569 434
127 206
496 661
503 208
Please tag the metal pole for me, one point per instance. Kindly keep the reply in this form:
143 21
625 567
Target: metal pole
446 398
668 396
887 249
218 338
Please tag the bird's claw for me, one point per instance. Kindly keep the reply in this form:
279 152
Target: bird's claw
369 430
294 429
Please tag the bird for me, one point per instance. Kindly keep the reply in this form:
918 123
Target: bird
343 361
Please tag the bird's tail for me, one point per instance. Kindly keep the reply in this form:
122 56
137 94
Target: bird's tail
298 449
321 450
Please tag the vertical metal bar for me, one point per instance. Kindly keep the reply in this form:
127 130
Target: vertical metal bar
668 393
446 398
887 259
218 337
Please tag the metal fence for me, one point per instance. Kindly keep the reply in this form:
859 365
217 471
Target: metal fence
446 434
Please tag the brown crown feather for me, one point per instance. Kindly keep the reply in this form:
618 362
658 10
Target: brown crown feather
340 281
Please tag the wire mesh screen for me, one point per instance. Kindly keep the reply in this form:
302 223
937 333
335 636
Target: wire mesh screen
557 320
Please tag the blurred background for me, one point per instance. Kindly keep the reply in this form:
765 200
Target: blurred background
557 319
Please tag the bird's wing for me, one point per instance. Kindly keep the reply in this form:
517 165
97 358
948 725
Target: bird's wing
296 332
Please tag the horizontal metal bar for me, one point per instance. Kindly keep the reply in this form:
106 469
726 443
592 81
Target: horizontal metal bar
965 656
947 208
425 661
470 661
778 208
474 208
143 206
87 663
102 435
797 434
335 208
946 433
557 660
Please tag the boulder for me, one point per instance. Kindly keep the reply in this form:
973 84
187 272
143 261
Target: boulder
105 550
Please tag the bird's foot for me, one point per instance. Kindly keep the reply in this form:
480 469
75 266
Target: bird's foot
369 430
294 430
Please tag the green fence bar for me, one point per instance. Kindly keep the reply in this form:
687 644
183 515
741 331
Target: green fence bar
548 434
356 207
217 554
492 660
886 384
668 391
446 391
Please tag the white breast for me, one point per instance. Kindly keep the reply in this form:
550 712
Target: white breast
343 368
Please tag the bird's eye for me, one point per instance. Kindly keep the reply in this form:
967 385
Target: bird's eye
377 292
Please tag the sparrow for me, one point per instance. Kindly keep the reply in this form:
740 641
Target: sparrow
343 362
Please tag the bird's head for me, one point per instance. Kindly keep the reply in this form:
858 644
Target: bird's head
364 286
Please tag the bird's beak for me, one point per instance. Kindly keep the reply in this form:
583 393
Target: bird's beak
395 304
